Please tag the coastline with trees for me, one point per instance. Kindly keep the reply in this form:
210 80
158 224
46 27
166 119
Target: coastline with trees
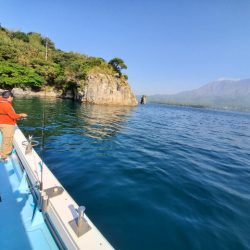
23 65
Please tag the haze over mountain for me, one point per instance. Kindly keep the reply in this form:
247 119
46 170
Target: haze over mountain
232 94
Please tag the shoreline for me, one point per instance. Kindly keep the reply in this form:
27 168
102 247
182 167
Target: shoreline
235 109
53 94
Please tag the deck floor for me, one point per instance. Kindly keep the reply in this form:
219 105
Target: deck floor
21 224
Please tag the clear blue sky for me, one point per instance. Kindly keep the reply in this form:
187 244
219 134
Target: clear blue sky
168 46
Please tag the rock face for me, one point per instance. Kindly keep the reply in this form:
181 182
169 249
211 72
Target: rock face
106 89
29 92
143 99
97 89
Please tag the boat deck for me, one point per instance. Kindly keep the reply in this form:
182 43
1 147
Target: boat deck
21 223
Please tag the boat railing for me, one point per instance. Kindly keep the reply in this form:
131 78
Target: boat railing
67 220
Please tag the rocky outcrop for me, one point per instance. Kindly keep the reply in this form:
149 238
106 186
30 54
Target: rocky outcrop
143 99
29 92
106 89
97 89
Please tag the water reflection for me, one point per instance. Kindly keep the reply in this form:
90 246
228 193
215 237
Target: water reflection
103 121
69 117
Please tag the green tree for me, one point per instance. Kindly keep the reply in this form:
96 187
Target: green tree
20 35
118 64
14 75
125 76
8 52
75 73
48 70
50 44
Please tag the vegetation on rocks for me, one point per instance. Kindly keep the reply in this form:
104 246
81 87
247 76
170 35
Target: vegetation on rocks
23 63
118 64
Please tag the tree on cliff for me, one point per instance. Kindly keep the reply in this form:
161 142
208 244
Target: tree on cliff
13 75
118 64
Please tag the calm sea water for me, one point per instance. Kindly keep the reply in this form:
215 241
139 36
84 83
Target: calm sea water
154 176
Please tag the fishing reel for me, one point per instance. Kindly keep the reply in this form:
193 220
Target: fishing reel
29 144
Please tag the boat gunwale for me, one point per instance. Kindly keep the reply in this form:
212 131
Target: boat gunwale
58 211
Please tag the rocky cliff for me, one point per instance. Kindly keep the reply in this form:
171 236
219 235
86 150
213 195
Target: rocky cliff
97 89
105 89
24 68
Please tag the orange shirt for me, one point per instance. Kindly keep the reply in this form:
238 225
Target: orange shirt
7 113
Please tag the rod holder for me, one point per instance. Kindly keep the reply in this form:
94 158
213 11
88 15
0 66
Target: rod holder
28 148
54 191
29 144
81 211
40 201
46 194
79 225
45 202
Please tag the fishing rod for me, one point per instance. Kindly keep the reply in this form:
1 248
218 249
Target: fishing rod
43 142
43 120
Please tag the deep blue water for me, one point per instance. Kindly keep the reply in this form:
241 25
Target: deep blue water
153 176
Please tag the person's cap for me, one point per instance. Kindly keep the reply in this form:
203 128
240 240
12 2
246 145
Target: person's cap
7 94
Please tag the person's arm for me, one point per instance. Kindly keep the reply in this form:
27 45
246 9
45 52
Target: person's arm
8 109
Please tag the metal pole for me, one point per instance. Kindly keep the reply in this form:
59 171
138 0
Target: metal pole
46 54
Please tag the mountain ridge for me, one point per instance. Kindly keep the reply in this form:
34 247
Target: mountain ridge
232 94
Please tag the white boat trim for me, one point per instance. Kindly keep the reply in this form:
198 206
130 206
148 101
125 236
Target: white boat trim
62 208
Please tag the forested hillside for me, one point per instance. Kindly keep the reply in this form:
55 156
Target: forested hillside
23 63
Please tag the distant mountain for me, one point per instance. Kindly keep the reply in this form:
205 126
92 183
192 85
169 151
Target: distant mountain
231 94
